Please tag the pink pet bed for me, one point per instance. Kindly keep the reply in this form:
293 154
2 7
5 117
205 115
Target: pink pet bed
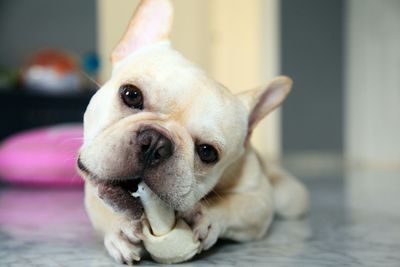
44 156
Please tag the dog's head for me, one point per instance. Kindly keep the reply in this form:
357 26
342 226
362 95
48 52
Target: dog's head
161 119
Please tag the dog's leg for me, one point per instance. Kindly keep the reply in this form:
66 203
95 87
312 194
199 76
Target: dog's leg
120 232
291 198
240 216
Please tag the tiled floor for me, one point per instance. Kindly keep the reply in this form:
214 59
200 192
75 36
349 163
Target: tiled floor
354 221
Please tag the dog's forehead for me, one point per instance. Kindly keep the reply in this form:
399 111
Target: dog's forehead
166 76
172 84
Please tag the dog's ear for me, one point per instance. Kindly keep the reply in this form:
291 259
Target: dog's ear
151 23
263 100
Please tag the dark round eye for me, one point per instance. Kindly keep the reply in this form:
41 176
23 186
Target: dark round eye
207 153
132 96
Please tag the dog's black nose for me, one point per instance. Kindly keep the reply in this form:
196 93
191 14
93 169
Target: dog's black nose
154 147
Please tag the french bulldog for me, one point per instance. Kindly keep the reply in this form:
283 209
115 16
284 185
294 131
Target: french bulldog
162 120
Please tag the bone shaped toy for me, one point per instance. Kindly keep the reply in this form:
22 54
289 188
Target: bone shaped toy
167 239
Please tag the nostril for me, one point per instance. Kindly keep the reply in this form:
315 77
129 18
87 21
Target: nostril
145 148
156 156
154 147
145 139
164 151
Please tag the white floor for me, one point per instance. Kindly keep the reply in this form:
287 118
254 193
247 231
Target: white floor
354 221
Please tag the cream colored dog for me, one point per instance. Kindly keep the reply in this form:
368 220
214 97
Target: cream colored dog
162 120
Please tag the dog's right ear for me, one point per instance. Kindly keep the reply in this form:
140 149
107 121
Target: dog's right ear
151 23
261 101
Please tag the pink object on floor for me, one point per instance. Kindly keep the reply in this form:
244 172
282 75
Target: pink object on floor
43 156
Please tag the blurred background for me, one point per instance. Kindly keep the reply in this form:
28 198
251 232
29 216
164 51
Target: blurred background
345 103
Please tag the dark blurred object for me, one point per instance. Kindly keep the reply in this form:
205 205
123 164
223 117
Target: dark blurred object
91 64
8 78
90 68
52 71
21 109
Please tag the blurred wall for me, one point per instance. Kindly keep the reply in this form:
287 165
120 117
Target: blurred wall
312 54
373 83
27 25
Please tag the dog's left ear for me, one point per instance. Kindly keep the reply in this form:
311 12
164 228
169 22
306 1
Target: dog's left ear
263 100
151 23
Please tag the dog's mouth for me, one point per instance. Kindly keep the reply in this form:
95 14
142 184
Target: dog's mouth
130 186
128 183
117 193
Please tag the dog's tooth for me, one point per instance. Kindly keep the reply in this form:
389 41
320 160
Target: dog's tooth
135 194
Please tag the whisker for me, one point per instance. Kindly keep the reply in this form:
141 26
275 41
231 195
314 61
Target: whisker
90 79
71 139
206 202
70 159
216 194
76 177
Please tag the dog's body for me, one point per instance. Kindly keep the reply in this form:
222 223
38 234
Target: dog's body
162 119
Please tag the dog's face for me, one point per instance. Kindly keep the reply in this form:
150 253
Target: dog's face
161 119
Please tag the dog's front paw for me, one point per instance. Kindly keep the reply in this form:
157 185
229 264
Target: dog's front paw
206 227
123 243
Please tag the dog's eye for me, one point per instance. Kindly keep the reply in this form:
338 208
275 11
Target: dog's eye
132 96
207 153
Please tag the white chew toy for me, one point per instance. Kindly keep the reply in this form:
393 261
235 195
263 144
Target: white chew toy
167 240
